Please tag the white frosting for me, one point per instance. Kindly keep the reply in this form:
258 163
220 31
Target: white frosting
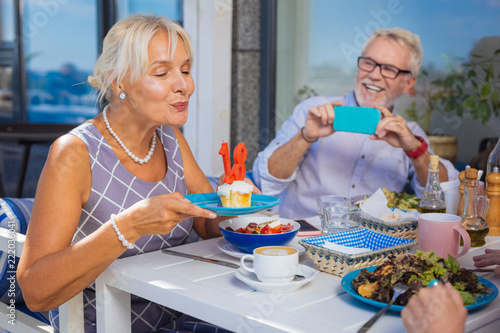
237 186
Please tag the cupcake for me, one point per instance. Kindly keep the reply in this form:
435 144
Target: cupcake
237 194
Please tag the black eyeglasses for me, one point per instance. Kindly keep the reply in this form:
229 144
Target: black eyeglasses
387 71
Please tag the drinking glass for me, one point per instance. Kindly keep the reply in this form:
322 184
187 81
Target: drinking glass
337 203
340 217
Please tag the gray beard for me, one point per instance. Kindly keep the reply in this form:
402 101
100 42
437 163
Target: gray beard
387 102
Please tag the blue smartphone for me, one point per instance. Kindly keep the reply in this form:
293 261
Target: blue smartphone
356 119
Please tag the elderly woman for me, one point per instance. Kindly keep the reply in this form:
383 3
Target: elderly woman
113 187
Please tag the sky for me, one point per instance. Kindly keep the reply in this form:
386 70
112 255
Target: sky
446 27
61 31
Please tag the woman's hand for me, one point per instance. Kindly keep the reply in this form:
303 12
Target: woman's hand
490 257
435 310
158 215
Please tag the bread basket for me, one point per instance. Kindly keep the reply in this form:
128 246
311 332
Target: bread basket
339 263
406 229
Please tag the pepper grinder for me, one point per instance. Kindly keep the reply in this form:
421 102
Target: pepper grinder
493 193
461 175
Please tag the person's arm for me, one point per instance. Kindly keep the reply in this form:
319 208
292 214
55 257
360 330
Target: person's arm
291 152
490 257
51 270
421 165
319 123
394 130
435 310
197 182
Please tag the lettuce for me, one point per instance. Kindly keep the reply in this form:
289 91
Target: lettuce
467 298
452 264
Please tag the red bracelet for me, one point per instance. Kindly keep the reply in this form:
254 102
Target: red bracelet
420 151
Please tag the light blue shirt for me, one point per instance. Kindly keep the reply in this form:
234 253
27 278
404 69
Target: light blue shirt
347 164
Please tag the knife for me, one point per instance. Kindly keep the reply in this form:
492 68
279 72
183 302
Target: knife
200 258
482 270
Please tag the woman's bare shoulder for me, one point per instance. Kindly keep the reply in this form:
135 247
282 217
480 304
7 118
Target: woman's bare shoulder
69 150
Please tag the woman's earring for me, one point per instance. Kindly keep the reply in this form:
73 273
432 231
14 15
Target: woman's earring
122 95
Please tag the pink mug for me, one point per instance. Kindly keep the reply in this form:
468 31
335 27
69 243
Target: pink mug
441 233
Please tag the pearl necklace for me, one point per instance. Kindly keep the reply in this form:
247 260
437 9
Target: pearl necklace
129 153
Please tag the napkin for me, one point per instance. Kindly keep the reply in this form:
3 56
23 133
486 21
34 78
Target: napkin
345 249
376 206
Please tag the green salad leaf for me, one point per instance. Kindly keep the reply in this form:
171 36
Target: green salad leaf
467 297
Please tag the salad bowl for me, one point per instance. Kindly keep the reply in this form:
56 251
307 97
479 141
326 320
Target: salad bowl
247 242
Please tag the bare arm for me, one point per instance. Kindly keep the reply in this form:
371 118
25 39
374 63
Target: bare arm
393 130
197 182
292 153
421 165
51 270
319 123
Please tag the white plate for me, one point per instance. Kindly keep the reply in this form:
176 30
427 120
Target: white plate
251 279
232 251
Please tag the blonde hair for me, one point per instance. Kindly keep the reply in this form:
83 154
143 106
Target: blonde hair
404 38
125 50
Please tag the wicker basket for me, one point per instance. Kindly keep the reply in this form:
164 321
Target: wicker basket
339 263
408 229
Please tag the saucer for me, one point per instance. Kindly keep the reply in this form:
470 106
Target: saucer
251 279
232 251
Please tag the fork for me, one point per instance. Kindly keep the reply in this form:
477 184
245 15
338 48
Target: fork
399 288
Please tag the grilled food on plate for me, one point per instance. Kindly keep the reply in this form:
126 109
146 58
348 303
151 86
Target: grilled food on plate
416 271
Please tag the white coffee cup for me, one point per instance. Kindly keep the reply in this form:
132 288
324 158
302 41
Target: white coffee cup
273 264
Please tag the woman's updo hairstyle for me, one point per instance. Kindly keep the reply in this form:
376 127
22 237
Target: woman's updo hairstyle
125 50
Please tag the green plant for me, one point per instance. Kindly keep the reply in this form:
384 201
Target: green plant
306 92
472 88
466 88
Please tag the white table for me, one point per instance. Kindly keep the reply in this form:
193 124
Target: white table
213 293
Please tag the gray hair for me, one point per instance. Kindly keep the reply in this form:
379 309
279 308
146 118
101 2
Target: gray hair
125 50
404 38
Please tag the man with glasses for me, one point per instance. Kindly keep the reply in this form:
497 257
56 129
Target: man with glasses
308 158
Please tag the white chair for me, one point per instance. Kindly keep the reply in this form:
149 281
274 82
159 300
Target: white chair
70 313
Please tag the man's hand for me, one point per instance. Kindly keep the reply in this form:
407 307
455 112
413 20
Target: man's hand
393 130
319 121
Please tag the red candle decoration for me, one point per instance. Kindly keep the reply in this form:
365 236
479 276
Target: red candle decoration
228 175
240 155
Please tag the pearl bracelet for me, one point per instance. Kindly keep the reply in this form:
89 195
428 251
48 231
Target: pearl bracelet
121 238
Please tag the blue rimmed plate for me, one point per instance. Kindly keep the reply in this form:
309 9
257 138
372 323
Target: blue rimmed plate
347 285
211 201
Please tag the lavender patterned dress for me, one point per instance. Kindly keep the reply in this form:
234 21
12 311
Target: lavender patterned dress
114 189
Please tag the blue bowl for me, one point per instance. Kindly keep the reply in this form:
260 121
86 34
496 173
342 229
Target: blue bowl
248 242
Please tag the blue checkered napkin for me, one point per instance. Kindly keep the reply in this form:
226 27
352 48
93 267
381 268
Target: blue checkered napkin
359 238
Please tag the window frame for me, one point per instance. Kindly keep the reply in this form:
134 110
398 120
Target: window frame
209 123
